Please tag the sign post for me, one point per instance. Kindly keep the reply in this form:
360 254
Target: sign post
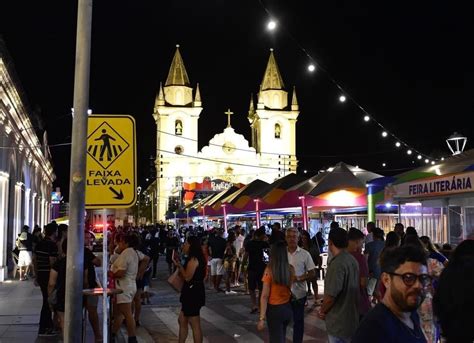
110 177
75 253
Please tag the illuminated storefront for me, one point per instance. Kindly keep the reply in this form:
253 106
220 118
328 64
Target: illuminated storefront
26 173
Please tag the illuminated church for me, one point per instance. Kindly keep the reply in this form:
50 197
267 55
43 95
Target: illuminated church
228 158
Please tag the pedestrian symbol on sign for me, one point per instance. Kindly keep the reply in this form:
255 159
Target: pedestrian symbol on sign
107 145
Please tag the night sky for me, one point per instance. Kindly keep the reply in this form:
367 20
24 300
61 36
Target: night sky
409 64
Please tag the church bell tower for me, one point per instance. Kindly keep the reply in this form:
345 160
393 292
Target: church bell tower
273 122
176 116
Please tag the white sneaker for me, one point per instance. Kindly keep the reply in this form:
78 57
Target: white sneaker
230 292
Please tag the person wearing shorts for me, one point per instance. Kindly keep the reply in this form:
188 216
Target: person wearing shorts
125 270
217 245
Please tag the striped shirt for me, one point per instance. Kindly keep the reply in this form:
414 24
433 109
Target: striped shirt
45 249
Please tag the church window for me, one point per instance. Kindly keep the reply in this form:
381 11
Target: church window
277 131
178 182
178 127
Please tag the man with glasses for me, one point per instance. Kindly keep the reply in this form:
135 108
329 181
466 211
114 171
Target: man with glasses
395 319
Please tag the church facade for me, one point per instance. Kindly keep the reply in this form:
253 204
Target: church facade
228 158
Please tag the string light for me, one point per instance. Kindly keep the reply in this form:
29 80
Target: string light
342 98
432 163
419 157
384 164
442 158
271 25
427 160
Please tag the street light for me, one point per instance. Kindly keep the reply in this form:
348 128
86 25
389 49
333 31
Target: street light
456 143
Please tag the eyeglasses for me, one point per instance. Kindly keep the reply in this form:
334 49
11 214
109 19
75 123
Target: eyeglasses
409 279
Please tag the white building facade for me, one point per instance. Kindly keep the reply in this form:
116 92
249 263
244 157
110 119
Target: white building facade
228 156
26 173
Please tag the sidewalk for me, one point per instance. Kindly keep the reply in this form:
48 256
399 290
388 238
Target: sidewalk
20 307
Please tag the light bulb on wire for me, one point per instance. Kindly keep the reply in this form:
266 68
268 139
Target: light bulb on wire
397 144
311 67
384 164
271 25
427 160
366 118
433 163
409 152
384 134
419 157
342 98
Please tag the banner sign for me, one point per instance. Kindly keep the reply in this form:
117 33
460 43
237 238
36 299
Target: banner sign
430 187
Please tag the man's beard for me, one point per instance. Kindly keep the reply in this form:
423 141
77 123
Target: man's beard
401 301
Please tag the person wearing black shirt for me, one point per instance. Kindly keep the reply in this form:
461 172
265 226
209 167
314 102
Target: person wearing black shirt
217 245
395 319
90 262
172 244
153 242
277 235
45 254
256 251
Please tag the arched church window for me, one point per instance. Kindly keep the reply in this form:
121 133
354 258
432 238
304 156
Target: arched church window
277 131
178 127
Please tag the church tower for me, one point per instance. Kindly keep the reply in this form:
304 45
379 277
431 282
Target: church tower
176 116
273 122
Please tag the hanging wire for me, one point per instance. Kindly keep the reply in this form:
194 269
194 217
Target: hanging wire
341 89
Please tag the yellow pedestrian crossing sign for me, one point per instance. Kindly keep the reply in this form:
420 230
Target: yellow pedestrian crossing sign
111 161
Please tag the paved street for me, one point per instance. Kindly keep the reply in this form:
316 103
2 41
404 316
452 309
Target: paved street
226 318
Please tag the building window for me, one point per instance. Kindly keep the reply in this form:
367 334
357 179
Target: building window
277 131
178 128
178 183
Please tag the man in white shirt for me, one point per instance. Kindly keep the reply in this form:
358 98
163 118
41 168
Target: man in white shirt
305 270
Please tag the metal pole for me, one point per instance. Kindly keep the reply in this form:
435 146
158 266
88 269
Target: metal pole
257 213
75 251
399 212
204 220
225 219
105 267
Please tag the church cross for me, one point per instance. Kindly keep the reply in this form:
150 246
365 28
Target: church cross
228 116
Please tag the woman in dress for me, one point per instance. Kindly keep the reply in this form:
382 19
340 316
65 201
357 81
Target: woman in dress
192 294
276 294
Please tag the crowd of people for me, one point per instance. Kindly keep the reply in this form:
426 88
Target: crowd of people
397 287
